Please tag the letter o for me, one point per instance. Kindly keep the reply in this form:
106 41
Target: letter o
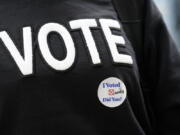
56 64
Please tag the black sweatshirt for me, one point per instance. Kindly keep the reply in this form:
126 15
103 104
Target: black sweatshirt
74 67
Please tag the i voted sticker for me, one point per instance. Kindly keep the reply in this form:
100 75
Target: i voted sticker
112 92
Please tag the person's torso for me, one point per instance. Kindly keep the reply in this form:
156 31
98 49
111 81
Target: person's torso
77 46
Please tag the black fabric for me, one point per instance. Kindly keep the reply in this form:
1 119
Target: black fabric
163 72
51 102
130 10
131 14
134 26
159 62
133 20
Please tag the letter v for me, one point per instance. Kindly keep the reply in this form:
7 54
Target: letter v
25 64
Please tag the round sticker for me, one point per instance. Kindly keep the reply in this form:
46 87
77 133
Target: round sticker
112 92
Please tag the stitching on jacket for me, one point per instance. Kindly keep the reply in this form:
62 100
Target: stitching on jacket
132 21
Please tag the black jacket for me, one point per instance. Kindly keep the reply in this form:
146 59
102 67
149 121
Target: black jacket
87 67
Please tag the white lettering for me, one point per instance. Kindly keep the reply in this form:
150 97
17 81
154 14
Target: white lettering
113 40
25 64
85 25
43 44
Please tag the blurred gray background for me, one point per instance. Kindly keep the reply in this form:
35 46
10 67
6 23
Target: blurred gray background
170 10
